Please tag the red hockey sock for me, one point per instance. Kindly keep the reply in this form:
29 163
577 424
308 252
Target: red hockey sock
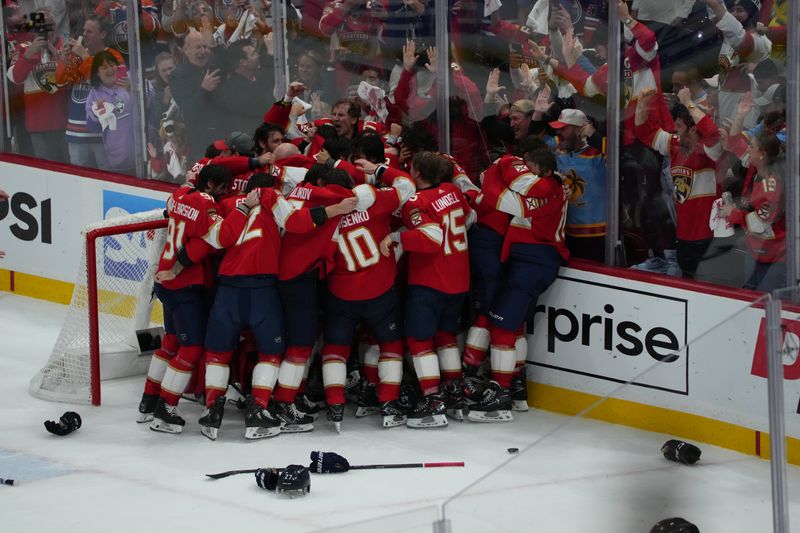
334 372
290 376
159 362
218 373
265 374
390 370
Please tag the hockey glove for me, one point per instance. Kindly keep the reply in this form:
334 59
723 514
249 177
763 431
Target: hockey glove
328 463
681 452
68 423
267 478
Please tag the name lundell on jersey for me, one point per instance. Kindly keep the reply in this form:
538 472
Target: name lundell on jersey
444 202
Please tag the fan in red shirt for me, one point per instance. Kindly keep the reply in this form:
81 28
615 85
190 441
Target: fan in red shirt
438 281
361 288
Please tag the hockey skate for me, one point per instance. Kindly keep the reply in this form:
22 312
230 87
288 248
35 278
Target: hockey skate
146 407
393 414
293 420
428 413
166 418
335 415
211 419
305 405
454 399
368 403
260 423
488 402
519 391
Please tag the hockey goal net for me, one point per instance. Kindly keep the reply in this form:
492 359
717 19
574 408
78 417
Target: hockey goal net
114 322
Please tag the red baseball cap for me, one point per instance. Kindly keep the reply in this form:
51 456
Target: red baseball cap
221 145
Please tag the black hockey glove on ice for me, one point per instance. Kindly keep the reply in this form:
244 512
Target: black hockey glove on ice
267 478
328 463
68 423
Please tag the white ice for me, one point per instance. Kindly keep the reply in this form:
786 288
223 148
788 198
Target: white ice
116 475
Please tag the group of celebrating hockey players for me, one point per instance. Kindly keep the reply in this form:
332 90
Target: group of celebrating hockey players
258 244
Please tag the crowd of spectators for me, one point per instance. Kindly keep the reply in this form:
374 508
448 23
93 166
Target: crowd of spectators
703 86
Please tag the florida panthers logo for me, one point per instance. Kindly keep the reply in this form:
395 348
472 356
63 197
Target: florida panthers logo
683 179
45 76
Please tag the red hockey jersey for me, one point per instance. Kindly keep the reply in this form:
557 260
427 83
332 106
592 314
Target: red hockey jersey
193 215
764 218
303 253
360 271
258 248
436 239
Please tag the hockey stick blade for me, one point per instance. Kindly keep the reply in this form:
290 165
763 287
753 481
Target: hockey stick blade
221 475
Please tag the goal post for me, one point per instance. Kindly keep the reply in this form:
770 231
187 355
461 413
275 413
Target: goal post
114 322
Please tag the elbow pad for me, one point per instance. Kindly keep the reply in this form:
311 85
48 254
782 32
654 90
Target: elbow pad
184 259
318 215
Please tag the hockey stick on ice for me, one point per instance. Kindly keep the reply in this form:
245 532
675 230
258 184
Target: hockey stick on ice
221 475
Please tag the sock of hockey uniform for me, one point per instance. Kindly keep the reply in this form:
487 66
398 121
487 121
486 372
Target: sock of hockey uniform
521 349
159 363
179 372
265 374
503 354
218 372
292 371
306 370
369 368
477 343
390 370
426 364
334 372
449 355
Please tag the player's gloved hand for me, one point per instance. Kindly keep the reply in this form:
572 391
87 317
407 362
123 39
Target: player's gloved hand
69 422
328 463
267 478
681 452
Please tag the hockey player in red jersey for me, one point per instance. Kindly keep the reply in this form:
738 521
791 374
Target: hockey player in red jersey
438 281
533 251
248 274
361 289
193 214
304 259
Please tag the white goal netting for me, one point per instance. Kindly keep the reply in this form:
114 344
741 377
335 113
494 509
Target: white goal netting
129 319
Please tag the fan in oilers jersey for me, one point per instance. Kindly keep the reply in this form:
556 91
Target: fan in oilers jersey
438 280
192 215
361 288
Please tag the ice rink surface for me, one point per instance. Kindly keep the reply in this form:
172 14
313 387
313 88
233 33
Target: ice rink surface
114 475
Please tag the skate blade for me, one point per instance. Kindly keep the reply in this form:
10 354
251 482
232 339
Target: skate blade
456 414
296 428
362 411
255 433
209 432
491 416
393 421
164 427
434 421
520 406
144 417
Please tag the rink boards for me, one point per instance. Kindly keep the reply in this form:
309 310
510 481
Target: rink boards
695 354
